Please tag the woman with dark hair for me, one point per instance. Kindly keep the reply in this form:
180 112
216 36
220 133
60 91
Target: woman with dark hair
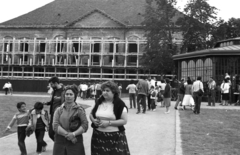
167 96
132 94
69 123
188 99
108 117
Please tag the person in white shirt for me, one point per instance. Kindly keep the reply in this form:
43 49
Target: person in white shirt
6 88
84 90
225 92
197 85
132 88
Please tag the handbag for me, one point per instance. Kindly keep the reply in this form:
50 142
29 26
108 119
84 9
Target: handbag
200 92
74 123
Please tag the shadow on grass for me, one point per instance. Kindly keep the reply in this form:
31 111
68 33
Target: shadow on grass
213 132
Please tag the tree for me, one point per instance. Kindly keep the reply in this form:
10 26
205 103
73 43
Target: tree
159 27
196 25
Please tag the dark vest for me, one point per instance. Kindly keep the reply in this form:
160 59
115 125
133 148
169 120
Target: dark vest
118 106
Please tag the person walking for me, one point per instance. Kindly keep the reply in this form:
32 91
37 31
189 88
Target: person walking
148 95
39 123
188 99
143 90
69 124
197 85
108 116
98 90
56 101
181 92
84 88
167 96
212 92
22 119
132 88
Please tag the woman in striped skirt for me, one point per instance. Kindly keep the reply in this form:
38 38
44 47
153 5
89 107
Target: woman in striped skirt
108 117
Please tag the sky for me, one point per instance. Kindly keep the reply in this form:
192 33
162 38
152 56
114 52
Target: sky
14 8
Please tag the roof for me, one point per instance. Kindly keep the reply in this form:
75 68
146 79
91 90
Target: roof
225 51
61 13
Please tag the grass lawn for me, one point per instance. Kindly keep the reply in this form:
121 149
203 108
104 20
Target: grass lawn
213 132
8 109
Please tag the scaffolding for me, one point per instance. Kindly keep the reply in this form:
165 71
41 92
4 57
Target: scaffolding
71 58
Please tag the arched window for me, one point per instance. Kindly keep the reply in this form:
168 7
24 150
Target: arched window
207 69
199 68
8 44
132 44
191 69
184 69
60 44
76 45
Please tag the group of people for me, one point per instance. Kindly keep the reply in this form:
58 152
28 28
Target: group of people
190 94
68 121
149 92
8 88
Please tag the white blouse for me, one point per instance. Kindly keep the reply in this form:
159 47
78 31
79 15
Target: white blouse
105 112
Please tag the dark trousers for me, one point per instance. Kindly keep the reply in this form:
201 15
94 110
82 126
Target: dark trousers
21 132
51 133
6 91
132 98
179 99
141 98
153 105
39 133
149 101
84 94
197 100
211 97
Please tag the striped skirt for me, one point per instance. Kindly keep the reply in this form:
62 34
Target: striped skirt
109 143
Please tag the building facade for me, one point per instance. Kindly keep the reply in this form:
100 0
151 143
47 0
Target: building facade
76 39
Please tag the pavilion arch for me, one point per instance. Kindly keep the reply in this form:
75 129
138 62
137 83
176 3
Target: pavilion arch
207 69
191 69
184 69
199 67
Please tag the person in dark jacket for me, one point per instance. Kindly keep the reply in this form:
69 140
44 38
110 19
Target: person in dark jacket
143 88
167 96
108 117
181 91
55 102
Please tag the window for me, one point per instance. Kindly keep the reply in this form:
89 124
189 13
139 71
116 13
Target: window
132 48
24 47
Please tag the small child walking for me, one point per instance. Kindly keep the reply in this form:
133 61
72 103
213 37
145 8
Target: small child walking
39 123
153 98
22 118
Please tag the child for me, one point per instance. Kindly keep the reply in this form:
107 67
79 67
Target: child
39 123
153 97
22 118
